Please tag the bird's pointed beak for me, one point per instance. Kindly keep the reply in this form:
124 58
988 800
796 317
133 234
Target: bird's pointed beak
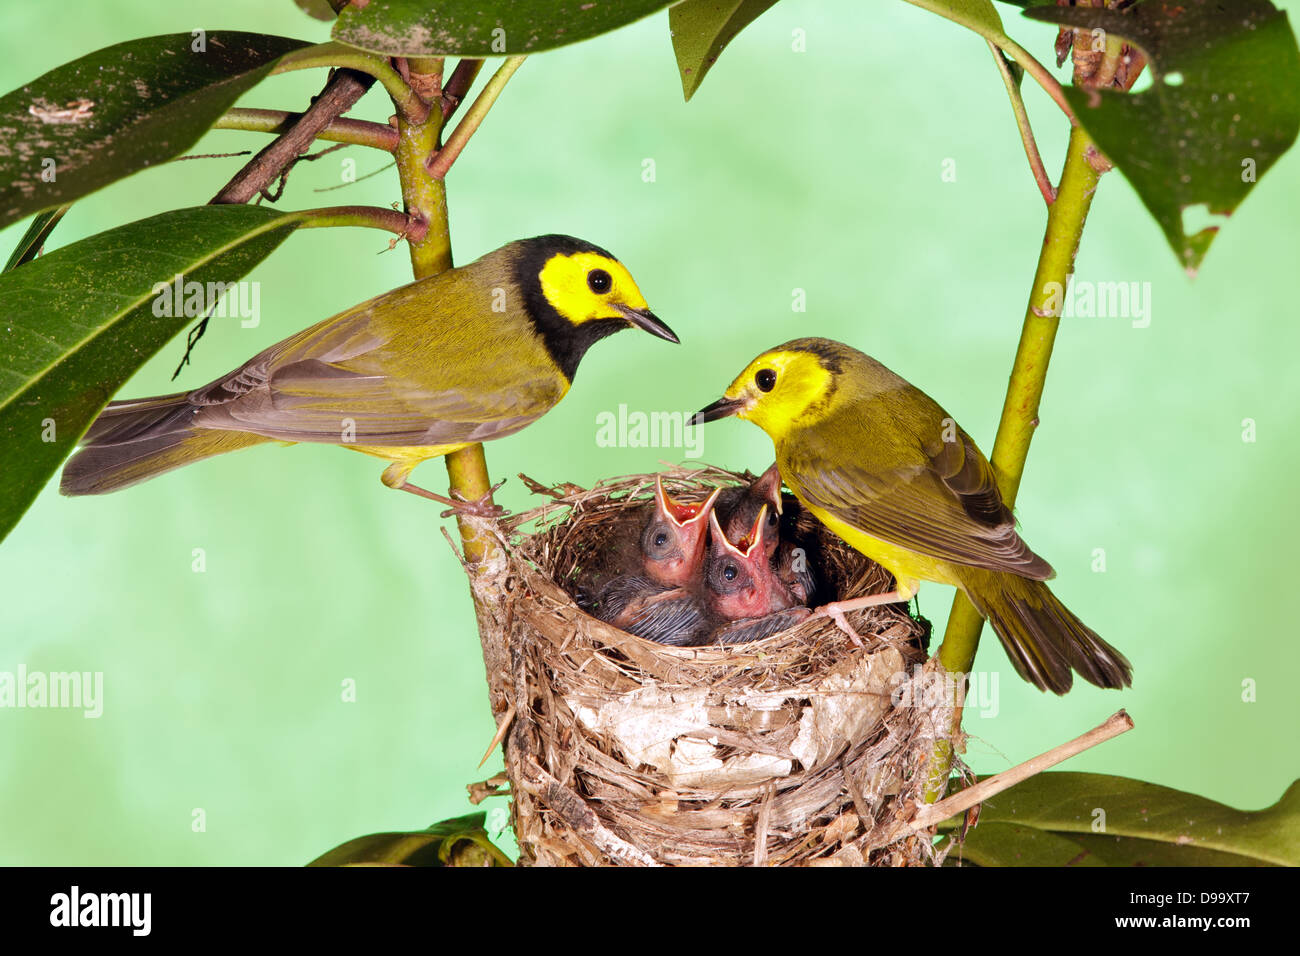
681 513
722 408
649 322
754 543
742 549
768 485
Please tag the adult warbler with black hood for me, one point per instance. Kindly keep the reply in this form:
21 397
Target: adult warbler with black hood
468 355
888 470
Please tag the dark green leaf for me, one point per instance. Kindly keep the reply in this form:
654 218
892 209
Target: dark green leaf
702 28
1088 819
118 110
477 28
30 245
1010 844
1223 107
80 321
458 842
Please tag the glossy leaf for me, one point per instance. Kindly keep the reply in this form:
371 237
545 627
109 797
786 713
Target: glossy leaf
478 28
80 321
1223 107
118 110
1088 819
462 841
701 29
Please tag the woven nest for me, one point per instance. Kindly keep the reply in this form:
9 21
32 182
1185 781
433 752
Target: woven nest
798 749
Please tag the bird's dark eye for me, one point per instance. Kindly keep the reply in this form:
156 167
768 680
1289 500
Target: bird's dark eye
598 281
661 539
765 379
730 572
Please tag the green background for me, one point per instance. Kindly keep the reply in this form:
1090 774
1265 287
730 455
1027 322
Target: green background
817 170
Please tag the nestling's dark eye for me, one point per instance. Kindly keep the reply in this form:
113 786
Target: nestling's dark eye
730 572
661 539
598 281
765 379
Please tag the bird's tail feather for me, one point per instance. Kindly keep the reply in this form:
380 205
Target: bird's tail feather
135 440
1043 638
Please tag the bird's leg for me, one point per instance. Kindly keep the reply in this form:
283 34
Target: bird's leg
481 507
835 610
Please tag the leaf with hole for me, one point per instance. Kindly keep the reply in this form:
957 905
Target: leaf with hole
1223 107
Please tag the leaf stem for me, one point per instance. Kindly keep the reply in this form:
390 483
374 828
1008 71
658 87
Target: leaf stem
970 16
372 217
462 78
1065 221
354 132
441 161
1051 86
1022 123
333 54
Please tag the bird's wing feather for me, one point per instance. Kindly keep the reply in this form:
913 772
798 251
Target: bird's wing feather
342 376
942 500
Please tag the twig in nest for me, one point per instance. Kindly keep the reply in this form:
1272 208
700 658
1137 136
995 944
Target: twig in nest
494 786
574 811
935 813
503 728
761 827
562 490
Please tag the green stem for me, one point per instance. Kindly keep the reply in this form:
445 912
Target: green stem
339 54
425 198
1022 123
441 162
1040 73
969 16
1065 220
454 90
372 217
354 132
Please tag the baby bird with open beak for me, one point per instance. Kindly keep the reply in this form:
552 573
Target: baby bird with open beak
675 538
743 588
664 602
739 506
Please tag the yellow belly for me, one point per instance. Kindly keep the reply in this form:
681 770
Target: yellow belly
908 567
404 458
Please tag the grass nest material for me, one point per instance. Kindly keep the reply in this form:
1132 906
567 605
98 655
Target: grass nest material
799 749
